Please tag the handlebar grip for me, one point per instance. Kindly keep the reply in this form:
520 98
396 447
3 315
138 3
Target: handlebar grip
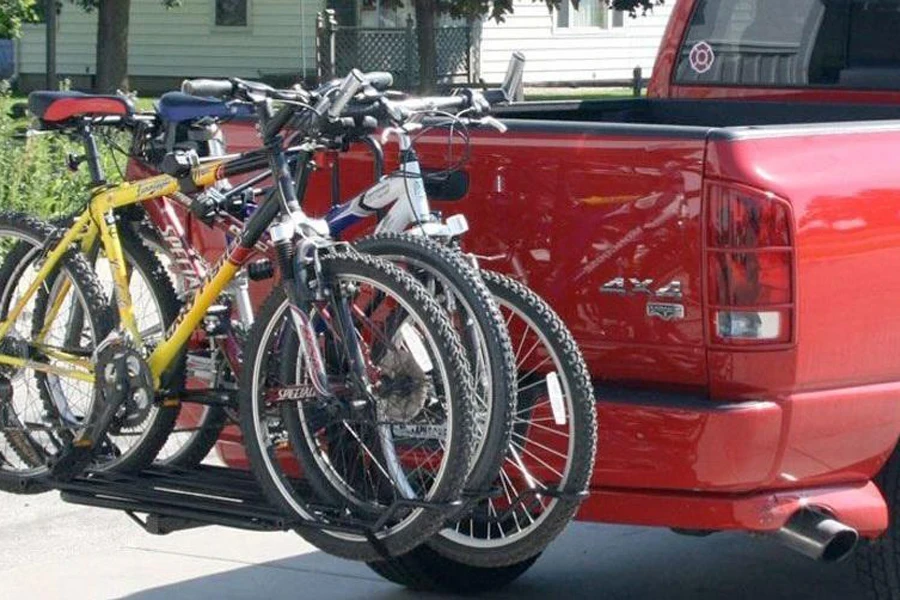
360 111
349 87
380 80
213 88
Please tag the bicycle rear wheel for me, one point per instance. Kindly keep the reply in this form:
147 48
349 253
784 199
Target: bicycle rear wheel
198 426
142 434
552 451
368 460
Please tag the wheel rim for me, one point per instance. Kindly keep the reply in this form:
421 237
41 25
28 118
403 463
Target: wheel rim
483 528
46 432
262 432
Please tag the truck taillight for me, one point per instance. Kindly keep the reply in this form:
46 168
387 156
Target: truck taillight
750 266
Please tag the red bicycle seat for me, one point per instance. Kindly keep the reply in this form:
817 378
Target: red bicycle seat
58 107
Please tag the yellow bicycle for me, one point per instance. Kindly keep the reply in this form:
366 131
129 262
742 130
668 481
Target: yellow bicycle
381 385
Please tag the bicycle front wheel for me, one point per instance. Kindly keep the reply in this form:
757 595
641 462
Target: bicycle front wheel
390 452
37 423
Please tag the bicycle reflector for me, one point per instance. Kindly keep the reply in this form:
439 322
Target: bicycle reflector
750 266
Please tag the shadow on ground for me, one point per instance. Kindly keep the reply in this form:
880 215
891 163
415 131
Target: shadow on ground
589 561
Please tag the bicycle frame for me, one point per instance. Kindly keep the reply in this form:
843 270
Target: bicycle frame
403 191
98 222
191 269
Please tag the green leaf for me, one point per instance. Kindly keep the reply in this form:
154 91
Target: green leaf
498 9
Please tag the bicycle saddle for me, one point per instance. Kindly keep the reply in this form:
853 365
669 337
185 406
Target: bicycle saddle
58 107
177 107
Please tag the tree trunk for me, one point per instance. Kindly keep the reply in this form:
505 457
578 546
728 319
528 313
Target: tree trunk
112 46
50 18
426 11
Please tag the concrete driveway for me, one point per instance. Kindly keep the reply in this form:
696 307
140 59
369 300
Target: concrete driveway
49 549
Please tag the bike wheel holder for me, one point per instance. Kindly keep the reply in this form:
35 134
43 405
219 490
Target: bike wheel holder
176 500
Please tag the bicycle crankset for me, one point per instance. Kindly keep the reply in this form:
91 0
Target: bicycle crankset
125 382
123 395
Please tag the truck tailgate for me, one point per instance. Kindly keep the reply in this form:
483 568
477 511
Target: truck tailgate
604 222
843 186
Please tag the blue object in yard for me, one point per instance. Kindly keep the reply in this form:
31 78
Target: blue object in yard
7 59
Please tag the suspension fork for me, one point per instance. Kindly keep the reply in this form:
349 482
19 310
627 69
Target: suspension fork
304 290
301 296
90 247
294 273
344 318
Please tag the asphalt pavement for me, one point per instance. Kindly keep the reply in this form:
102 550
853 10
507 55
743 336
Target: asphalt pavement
49 549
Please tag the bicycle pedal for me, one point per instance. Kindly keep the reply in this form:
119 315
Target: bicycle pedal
71 462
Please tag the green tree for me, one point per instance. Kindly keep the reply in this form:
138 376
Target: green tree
12 14
427 10
112 41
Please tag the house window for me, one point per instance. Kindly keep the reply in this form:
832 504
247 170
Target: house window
385 16
382 14
232 13
590 14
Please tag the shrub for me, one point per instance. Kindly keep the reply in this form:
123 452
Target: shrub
34 177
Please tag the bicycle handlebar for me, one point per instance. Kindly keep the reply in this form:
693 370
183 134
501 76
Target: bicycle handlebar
335 100
380 80
349 87
211 88
399 111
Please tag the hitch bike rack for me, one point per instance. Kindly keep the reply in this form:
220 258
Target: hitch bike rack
177 499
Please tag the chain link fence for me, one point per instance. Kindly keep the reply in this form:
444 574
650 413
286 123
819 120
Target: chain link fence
396 50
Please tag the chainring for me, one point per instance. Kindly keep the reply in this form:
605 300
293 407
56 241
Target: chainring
124 378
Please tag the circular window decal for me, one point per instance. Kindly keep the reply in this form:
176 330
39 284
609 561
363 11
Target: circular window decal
702 57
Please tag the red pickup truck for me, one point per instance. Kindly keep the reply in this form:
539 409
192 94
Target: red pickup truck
727 252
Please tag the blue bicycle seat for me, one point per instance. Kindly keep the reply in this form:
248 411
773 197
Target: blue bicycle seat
177 107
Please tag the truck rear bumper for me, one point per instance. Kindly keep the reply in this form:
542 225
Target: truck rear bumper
688 443
860 506
682 461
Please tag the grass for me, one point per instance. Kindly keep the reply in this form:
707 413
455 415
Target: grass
540 94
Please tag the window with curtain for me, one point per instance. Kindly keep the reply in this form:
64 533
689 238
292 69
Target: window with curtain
590 14
382 15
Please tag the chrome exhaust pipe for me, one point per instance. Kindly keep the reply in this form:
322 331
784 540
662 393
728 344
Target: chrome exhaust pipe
818 536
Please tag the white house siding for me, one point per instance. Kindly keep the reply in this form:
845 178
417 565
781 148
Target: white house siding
561 55
183 42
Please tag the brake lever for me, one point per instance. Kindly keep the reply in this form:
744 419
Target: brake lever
399 132
494 123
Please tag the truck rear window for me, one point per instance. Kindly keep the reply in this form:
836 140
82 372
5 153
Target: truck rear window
852 44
